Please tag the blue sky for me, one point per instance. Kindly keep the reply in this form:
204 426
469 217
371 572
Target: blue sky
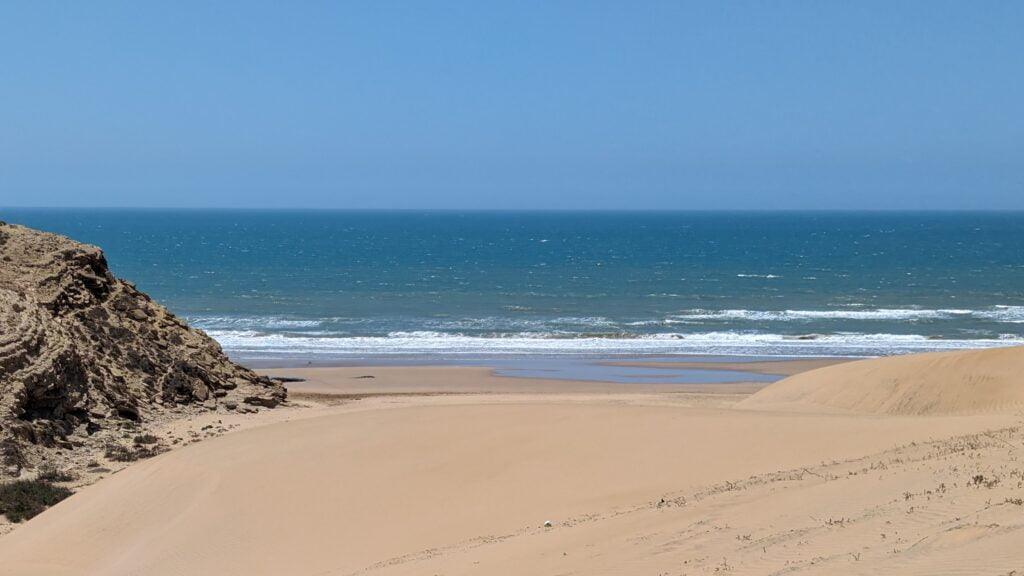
758 105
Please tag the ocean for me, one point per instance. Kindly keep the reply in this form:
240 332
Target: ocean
355 286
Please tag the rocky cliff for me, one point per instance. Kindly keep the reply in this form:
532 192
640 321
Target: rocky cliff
82 352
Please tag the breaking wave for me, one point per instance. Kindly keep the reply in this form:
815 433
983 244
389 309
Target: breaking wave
853 331
252 344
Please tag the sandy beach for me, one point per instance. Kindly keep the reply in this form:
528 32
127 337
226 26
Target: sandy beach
512 289
449 470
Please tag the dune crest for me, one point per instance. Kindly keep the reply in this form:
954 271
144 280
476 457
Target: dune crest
960 382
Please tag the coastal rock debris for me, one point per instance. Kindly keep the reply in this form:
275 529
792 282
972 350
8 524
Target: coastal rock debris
82 352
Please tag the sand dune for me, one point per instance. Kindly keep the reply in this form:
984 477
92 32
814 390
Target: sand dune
957 382
641 483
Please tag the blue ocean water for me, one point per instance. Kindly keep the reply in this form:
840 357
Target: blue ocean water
354 285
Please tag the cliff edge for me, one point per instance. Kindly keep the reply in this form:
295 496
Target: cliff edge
82 351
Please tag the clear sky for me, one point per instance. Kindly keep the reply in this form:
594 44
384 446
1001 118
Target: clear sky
547 104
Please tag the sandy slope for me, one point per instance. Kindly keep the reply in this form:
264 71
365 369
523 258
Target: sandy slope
635 483
920 384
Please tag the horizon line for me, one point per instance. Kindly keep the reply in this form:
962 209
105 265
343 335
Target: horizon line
505 210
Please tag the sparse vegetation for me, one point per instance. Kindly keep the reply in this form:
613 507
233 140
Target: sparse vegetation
122 453
50 473
23 499
980 480
146 439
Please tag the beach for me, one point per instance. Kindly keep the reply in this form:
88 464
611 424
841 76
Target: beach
451 470
545 289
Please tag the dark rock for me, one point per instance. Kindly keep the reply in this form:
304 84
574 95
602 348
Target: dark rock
265 400
200 391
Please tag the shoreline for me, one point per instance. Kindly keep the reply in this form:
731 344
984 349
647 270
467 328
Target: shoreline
426 380
657 370
440 359
271 345
781 367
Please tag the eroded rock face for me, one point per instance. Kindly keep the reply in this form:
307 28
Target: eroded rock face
80 349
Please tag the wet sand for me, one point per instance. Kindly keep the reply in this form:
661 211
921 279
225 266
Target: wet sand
787 367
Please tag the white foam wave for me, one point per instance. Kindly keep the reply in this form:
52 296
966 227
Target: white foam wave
519 324
255 323
897 314
1008 314
568 327
253 344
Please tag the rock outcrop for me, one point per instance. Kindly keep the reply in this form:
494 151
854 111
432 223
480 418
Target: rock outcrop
81 351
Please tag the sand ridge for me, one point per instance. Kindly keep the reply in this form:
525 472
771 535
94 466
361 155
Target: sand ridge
958 382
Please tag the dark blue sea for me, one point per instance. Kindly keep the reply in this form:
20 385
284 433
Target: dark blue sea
335 285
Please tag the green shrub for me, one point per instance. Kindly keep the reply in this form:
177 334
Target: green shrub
23 499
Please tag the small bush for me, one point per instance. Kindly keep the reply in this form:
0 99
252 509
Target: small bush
121 453
980 480
51 473
146 439
23 499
